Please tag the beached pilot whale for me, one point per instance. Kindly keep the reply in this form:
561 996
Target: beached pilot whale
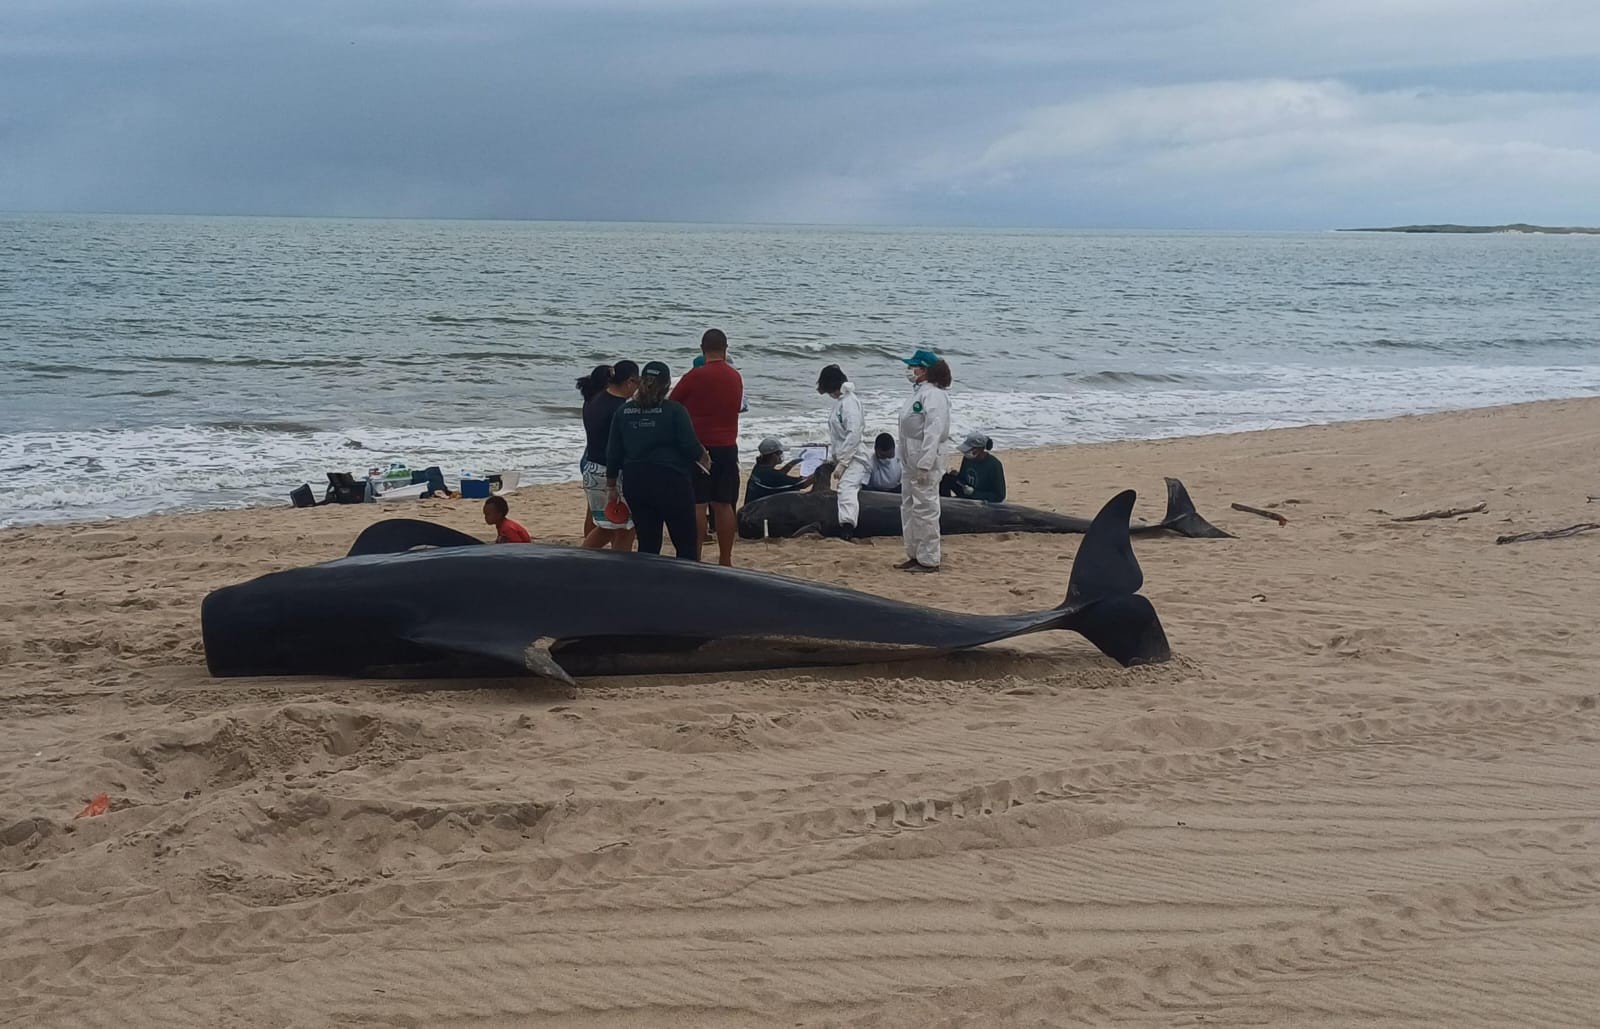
562 611
787 514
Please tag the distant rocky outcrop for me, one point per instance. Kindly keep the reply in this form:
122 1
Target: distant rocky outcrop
1549 230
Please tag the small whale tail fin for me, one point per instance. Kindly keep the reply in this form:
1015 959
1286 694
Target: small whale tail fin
1183 519
1103 602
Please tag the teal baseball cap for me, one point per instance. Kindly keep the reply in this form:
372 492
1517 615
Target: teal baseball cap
922 359
699 360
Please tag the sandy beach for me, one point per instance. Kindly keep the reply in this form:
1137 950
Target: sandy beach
1364 793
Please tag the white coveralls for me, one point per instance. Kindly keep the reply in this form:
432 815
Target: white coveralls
845 428
924 427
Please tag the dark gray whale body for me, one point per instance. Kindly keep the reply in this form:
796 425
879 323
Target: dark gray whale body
561 612
787 514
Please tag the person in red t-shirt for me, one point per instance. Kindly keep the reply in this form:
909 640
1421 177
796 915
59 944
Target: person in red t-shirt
496 513
713 393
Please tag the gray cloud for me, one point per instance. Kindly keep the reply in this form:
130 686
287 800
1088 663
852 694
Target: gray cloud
1163 113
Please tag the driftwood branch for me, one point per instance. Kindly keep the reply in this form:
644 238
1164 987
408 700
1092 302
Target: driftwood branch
1449 512
1552 534
1247 509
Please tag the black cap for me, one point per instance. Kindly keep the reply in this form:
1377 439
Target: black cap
656 370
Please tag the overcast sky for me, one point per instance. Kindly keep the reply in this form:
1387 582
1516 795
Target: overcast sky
1109 113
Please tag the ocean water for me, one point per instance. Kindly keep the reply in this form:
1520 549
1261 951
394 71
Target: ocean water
151 364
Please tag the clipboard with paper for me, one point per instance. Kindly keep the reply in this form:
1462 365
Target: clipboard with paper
811 456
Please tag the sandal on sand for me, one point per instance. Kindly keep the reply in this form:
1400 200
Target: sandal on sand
906 566
918 566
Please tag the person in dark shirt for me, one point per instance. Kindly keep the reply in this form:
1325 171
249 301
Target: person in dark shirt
600 405
770 475
653 450
589 387
980 477
714 393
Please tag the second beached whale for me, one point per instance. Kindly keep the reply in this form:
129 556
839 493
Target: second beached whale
789 514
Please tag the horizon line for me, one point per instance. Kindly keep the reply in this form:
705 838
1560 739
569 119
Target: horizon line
993 227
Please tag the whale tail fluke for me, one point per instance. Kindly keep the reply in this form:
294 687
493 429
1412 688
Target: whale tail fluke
1103 602
1183 519
1125 629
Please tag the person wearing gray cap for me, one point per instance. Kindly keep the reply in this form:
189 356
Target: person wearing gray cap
769 476
981 475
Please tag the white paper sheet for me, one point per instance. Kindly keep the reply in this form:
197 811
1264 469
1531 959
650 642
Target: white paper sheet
811 458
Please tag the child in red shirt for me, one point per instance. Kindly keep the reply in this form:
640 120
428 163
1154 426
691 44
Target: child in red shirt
495 513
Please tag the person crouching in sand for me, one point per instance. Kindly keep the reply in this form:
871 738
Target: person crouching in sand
981 475
771 476
497 512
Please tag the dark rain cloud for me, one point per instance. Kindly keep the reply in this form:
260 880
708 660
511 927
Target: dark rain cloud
1239 112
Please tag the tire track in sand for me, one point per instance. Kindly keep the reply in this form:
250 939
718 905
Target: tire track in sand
816 863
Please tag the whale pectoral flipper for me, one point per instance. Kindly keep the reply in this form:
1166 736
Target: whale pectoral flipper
475 641
538 660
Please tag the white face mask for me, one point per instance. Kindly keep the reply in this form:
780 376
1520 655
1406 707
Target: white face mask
911 376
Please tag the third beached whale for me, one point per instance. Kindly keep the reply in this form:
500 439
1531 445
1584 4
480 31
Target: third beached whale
790 514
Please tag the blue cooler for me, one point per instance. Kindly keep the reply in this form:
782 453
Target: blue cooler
475 489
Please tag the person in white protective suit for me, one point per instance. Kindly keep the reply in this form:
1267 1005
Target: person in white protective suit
846 425
924 427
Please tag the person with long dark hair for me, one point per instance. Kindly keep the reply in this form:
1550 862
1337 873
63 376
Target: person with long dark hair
589 386
653 451
595 381
600 406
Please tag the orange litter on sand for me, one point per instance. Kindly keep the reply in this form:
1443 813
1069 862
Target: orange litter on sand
98 806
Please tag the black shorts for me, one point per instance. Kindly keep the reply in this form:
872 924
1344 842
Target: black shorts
722 485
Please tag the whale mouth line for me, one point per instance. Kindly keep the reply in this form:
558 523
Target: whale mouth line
631 655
